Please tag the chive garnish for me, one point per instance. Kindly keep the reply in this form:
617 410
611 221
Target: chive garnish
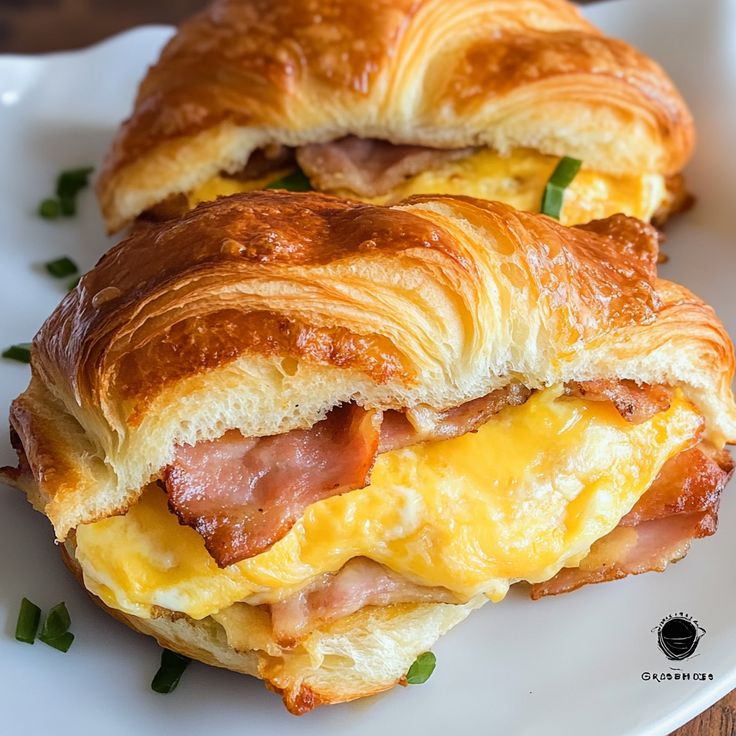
68 207
62 642
421 669
55 631
29 617
49 209
68 184
170 672
20 352
554 193
62 267
296 181
57 623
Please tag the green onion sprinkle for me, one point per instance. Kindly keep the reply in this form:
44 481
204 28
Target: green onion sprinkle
20 352
62 642
554 193
421 669
170 672
57 622
62 267
29 617
68 184
296 181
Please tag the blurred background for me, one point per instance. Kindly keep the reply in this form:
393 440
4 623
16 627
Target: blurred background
35 26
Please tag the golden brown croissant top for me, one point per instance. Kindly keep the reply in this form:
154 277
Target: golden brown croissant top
261 312
245 74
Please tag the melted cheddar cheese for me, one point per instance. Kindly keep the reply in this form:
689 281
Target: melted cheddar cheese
528 493
517 179
224 186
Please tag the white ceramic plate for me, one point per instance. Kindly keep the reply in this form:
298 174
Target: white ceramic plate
571 665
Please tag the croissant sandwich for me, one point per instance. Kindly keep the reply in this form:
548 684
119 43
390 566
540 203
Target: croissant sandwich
301 437
381 99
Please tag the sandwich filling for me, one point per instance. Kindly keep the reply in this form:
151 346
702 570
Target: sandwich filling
518 487
383 173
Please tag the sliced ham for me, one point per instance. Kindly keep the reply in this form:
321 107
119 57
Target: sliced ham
359 583
366 166
648 547
681 505
635 402
423 424
690 482
264 161
243 494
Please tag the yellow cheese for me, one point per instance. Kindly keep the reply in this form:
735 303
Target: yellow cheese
520 178
531 491
517 179
223 186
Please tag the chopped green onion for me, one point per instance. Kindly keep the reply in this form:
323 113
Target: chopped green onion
49 208
422 669
29 617
62 267
68 184
20 352
62 643
71 182
68 206
296 181
554 193
57 623
170 672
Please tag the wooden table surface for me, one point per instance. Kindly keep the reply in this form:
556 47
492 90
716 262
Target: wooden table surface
34 26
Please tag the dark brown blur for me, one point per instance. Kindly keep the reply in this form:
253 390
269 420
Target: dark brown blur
36 26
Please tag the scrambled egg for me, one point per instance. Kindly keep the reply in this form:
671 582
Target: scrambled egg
518 179
528 493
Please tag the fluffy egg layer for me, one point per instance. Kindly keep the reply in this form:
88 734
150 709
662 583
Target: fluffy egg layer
517 179
525 495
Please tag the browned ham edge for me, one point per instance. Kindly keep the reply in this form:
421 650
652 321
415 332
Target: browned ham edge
402 429
368 167
243 494
635 402
359 583
681 505
264 161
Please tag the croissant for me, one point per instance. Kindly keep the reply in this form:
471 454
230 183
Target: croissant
301 437
381 99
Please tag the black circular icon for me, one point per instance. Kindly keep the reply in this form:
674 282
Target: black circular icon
678 637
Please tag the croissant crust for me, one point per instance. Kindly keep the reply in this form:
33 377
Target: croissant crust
263 311
246 74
